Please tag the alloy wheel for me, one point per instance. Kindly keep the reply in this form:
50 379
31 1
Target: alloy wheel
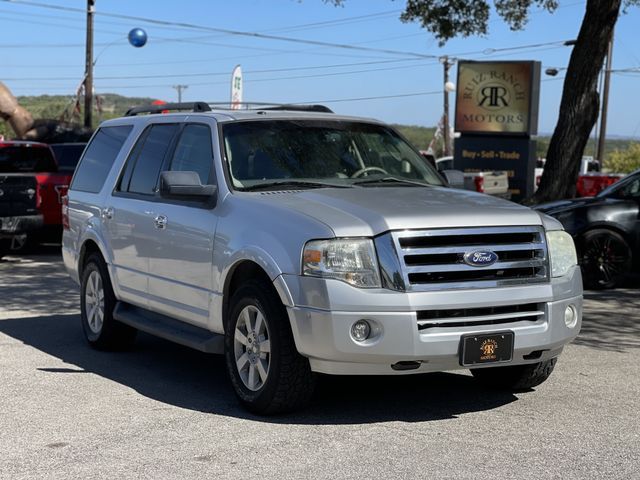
252 347
94 302
605 259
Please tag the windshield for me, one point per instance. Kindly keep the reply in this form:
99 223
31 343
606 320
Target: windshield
312 152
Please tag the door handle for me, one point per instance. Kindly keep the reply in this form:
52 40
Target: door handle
107 213
160 222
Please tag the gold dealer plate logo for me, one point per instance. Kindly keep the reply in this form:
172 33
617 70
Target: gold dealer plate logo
488 349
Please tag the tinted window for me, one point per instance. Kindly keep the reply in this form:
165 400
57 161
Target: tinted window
67 155
146 170
99 157
22 158
194 152
630 190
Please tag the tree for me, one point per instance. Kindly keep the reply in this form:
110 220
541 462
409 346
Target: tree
625 161
579 106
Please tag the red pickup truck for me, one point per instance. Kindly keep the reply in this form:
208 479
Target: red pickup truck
31 191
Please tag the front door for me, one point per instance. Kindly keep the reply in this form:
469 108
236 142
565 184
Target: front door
180 271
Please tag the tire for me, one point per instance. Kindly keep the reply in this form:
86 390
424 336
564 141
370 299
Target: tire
516 378
258 339
605 259
4 247
97 302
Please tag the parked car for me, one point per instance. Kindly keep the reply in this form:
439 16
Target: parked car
67 155
606 229
297 242
31 189
494 183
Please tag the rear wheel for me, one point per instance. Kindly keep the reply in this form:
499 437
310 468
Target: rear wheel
518 377
267 373
605 258
97 302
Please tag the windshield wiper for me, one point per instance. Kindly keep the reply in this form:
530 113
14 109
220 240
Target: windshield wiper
292 183
400 181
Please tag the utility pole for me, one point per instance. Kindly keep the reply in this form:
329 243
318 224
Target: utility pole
88 69
605 104
445 118
180 89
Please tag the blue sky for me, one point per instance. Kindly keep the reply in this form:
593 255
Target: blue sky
42 51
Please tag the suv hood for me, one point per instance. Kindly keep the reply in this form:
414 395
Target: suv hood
369 211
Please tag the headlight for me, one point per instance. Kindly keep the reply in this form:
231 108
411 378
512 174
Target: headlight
352 260
562 252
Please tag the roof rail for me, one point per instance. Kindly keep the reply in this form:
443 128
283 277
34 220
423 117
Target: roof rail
300 108
191 106
272 106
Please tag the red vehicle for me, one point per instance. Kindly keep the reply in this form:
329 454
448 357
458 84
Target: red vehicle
31 191
591 180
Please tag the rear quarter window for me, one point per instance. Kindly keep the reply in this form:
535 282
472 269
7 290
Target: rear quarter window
99 157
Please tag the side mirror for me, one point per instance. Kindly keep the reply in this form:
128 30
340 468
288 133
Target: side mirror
184 184
455 178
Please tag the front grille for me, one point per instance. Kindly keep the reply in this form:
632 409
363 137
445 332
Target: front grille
464 317
434 259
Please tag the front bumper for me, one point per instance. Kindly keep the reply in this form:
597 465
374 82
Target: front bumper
322 313
12 226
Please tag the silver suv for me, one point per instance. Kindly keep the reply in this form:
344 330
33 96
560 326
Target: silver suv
300 242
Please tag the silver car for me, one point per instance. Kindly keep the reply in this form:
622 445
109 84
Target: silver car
295 241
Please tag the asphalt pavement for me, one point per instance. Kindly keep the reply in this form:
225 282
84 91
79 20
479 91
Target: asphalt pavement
162 411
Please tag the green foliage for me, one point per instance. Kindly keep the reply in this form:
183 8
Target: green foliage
419 137
624 161
54 106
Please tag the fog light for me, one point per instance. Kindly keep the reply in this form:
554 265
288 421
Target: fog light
570 316
360 330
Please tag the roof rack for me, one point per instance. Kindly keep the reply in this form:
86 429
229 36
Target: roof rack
273 106
190 106
300 108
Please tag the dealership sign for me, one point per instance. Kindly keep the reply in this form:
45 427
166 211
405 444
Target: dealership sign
497 97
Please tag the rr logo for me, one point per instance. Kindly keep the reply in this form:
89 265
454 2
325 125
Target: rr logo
494 96
488 349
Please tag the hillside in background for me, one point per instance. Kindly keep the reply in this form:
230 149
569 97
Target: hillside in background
113 105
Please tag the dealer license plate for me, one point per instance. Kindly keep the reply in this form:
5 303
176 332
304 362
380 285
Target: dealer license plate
477 349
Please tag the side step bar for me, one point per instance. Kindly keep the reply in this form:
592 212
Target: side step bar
169 328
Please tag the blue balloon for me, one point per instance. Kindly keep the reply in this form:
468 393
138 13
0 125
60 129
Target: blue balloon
138 37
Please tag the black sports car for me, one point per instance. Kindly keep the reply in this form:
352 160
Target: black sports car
606 229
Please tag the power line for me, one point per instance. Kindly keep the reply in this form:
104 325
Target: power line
222 73
239 33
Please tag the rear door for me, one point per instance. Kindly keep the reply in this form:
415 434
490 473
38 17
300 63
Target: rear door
131 212
180 279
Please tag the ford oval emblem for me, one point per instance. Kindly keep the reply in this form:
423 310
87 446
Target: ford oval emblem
480 258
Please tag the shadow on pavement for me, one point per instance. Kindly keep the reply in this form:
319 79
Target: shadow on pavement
193 380
36 284
611 320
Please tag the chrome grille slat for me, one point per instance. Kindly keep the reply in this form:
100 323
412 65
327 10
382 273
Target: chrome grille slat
496 248
462 267
433 259
502 316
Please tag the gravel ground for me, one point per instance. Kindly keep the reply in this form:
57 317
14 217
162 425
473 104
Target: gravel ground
164 411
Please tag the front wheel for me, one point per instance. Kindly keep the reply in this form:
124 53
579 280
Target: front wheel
267 372
518 377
